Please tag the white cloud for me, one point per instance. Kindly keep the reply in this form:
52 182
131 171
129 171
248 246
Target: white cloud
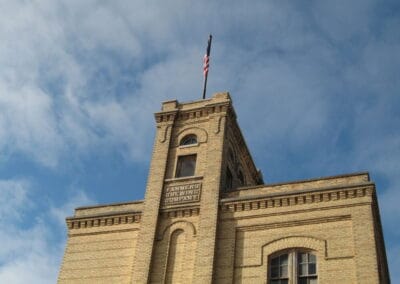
83 77
30 250
59 213
28 123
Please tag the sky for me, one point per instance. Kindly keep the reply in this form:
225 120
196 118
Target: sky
315 86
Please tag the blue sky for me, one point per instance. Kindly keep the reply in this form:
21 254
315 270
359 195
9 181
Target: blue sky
315 86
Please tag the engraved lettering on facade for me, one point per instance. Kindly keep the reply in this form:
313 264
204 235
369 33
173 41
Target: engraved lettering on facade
182 193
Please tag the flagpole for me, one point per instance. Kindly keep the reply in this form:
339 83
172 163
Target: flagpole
206 65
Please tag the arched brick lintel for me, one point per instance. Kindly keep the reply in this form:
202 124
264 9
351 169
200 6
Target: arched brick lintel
182 225
311 243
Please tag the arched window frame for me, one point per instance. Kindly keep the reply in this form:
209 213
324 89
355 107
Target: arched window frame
189 140
293 266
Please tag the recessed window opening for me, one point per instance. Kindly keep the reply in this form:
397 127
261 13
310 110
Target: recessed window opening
293 266
229 179
186 166
279 269
188 140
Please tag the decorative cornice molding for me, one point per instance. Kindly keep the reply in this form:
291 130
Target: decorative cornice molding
75 234
292 212
164 134
165 116
193 113
183 211
220 121
292 198
103 220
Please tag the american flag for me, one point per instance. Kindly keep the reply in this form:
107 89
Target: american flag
206 59
206 64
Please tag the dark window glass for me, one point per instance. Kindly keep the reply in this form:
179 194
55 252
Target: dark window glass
241 178
301 265
307 268
275 261
275 271
279 269
283 259
186 166
311 268
303 281
229 179
189 140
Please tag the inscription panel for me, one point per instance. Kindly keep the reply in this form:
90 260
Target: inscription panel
178 194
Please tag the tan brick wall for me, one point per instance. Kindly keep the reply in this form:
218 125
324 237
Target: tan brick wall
174 258
337 225
100 254
155 184
218 236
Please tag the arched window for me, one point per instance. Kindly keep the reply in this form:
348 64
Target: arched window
293 266
188 140
175 263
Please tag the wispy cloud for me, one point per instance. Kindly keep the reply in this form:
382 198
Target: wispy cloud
31 249
80 80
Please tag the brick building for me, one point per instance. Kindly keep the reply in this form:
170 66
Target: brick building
208 217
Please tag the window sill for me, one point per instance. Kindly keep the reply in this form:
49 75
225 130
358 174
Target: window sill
189 146
190 178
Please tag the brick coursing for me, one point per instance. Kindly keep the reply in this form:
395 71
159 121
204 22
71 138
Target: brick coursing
224 236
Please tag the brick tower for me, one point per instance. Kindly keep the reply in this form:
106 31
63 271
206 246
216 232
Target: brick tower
208 217
187 173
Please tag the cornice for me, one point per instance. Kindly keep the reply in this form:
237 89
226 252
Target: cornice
165 116
200 112
105 219
325 178
181 211
292 198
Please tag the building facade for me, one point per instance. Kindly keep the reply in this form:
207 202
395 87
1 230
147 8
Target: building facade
208 217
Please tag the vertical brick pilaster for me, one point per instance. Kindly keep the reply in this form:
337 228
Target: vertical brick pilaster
207 231
144 247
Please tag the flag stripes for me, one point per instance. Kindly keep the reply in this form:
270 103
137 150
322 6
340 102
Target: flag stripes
206 64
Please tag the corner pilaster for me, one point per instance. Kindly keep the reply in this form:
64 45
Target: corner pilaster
144 248
205 254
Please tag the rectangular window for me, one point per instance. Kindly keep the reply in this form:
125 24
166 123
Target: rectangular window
186 166
302 266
